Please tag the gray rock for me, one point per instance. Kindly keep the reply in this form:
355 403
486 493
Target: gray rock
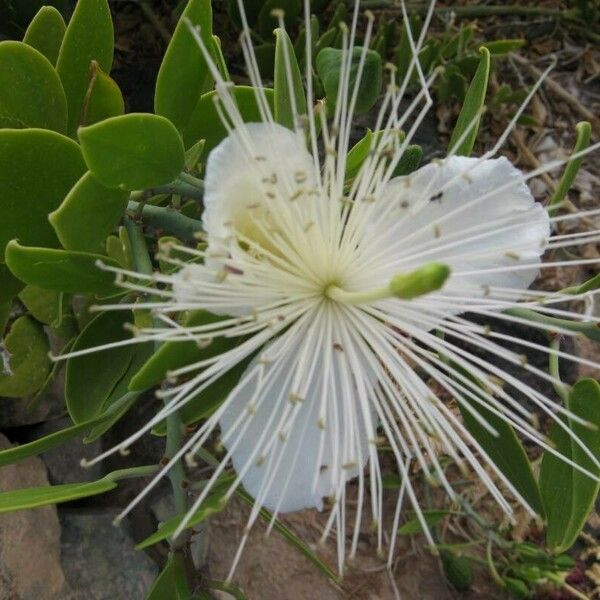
64 462
99 559
15 412
30 567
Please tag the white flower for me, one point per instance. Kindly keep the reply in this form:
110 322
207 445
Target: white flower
337 292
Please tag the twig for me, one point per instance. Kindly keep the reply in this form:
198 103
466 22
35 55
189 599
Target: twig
559 91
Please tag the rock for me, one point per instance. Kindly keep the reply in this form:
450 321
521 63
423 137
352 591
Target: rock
99 559
15 412
63 462
30 565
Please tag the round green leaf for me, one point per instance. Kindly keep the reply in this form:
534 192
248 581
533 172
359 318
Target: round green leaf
31 94
27 347
205 122
184 74
103 98
132 152
44 305
37 169
88 214
89 37
60 270
46 32
329 68
90 379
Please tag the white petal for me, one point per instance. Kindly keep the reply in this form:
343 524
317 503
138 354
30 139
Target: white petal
242 168
292 484
511 226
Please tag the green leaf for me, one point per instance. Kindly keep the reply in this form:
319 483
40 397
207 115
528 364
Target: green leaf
171 582
134 151
205 122
212 505
54 494
37 169
172 355
91 378
505 450
568 494
471 109
88 214
60 270
329 66
286 64
204 403
31 94
584 133
591 284
45 32
499 47
103 98
120 399
44 305
89 37
184 74
27 346
408 163
16 453
457 570
432 518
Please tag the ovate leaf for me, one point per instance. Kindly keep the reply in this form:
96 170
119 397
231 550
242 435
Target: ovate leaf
27 348
31 94
37 169
171 582
134 151
103 98
329 68
88 214
184 74
470 114
172 355
504 449
89 37
60 270
45 32
205 122
90 379
568 494
288 88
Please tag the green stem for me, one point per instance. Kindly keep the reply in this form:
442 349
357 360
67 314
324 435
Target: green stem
143 264
590 329
169 219
179 188
192 181
554 369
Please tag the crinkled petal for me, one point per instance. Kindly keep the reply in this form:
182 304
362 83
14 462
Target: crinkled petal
244 170
506 228
282 477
